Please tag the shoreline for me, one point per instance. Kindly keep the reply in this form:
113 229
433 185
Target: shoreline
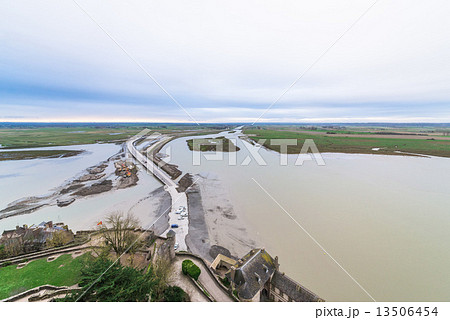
13 155
359 148
214 227
91 181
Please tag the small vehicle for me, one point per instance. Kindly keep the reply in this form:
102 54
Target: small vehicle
174 226
181 209
181 218
176 246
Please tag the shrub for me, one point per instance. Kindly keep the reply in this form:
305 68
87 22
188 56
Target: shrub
225 281
3 253
175 294
59 239
191 269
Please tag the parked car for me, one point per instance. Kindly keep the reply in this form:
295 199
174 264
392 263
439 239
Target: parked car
180 210
180 218
176 246
174 226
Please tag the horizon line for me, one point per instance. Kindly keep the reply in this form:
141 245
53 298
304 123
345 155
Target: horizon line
231 122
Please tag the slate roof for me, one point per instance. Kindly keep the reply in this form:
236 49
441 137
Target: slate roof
252 272
18 232
294 290
170 234
35 233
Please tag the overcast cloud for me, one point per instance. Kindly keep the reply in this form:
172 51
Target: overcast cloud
225 60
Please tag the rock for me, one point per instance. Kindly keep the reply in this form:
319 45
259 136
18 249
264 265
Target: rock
64 203
96 188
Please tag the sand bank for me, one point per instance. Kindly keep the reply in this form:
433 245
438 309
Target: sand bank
213 223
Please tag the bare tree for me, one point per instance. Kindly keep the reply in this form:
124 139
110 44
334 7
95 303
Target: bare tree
161 269
118 231
59 239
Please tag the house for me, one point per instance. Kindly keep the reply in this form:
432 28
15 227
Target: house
36 237
256 277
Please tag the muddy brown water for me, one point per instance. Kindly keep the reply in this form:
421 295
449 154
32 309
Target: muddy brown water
385 219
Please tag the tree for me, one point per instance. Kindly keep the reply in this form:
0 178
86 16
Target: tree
59 238
119 234
175 294
104 280
3 253
160 269
14 248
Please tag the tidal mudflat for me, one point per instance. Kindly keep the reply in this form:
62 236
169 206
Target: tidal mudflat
384 218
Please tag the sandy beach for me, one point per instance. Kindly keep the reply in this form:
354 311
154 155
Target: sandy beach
214 226
157 207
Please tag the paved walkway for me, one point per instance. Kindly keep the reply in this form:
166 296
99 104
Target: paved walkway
207 280
178 198
182 281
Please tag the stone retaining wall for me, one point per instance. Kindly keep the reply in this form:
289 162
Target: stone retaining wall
32 291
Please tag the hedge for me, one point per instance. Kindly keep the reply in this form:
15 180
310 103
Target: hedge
190 268
225 281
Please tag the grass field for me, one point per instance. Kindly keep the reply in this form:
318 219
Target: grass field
435 130
37 154
330 143
63 271
56 136
30 136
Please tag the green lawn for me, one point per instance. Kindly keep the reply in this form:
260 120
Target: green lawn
64 271
354 144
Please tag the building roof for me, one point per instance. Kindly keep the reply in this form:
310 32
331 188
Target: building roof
252 272
35 233
222 258
294 290
18 232
170 234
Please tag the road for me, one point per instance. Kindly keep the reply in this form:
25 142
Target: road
178 198
207 280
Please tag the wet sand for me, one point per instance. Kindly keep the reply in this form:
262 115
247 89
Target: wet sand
213 222
157 203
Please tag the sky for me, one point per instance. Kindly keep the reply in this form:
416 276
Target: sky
225 61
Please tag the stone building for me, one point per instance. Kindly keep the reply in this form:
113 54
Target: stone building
284 289
36 237
256 277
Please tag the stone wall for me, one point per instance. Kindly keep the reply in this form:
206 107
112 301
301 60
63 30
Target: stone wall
284 289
